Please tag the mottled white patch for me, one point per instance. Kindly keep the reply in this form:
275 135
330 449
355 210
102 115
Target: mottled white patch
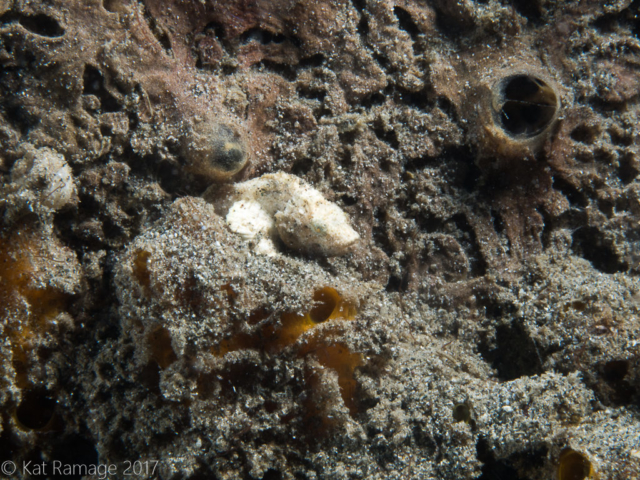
41 181
281 205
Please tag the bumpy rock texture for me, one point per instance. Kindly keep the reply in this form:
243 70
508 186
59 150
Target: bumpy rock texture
485 324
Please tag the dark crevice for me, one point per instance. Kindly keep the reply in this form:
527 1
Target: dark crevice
493 469
529 9
229 69
395 284
216 31
406 23
388 136
264 37
286 71
363 26
594 245
508 468
451 20
428 223
498 223
383 62
420 163
513 354
161 35
39 24
622 138
214 28
634 17
606 23
302 167
419 100
360 5
495 307
272 474
380 234
617 387
448 108
584 134
575 196
348 200
375 99
629 168
21 118
348 138
93 82
312 93
460 162
313 61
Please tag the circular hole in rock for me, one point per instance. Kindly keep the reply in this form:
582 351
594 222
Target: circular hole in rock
462 413
574 466
524 105
325 302
36 410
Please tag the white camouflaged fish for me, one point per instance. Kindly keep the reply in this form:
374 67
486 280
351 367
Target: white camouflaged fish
280 205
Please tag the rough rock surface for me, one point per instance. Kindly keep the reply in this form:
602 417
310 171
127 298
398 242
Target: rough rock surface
488 321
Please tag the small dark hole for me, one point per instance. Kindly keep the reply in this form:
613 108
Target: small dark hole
348 201
492 468
594 245
271 406
620 138
629 169
575 196
447 107
302 167
363 26
462 413
42 25
359 4
514 353
316 60
406 23
531 10
387 136
373 100
216 28
498 223
93 83
21 118
394 284
312 94
36 409
584 134
261 36
272 474
616 370
525 105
